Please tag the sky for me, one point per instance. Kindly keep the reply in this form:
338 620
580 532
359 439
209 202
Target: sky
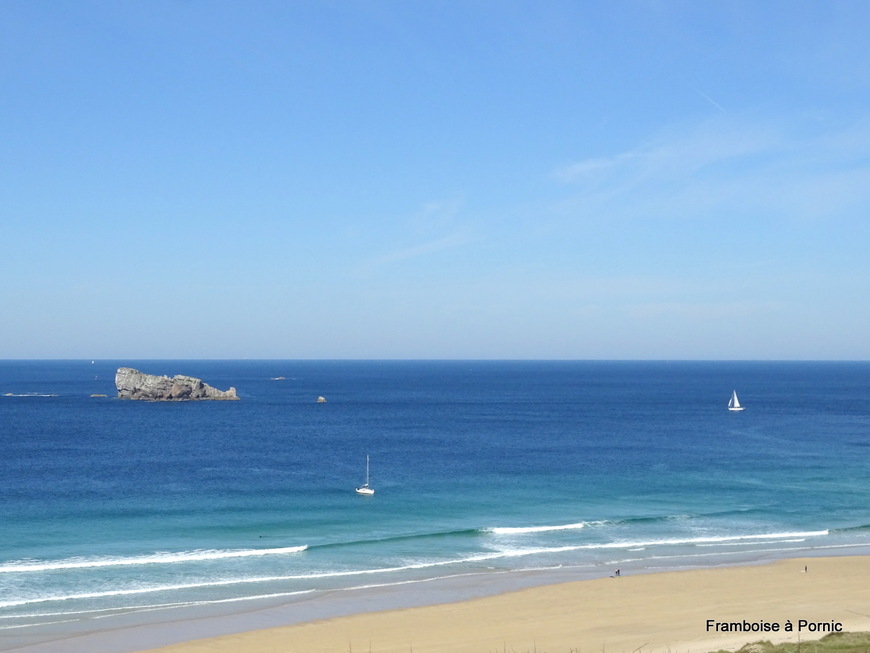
596 179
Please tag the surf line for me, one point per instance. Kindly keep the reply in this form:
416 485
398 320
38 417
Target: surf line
156 558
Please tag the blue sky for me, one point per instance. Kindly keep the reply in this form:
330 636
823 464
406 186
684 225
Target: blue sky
390 179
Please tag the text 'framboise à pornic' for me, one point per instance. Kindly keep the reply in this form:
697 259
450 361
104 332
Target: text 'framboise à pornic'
762 626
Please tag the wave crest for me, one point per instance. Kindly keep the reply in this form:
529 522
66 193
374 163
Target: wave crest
522 530
167 557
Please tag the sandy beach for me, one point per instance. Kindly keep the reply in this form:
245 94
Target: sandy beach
682 611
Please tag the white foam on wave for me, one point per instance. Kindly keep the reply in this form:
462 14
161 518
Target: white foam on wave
754 541
77 615
730 553
723 539
640 545
41 624
132 591
522 530
508 552
167 557
28 394
265 579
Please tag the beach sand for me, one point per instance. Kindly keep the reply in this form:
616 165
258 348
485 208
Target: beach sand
649 613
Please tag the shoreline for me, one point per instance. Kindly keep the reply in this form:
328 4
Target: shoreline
654 612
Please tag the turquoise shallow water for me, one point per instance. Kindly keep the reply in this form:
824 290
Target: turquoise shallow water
115 508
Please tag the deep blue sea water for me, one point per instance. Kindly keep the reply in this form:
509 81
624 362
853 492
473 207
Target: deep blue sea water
114 507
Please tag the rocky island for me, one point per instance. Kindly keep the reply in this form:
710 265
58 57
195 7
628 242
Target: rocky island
133 384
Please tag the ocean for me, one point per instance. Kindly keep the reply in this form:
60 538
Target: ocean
487 475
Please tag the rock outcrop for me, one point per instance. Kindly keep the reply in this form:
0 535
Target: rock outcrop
133 384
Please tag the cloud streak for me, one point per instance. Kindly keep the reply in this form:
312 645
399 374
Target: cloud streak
739 167
445 243
430 231
673 154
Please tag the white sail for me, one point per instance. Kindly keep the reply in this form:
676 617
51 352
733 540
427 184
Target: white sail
364 488
734 403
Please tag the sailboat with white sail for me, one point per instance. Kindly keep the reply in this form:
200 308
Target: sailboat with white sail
364 488
734 403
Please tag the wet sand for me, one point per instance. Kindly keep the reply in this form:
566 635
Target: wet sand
668 612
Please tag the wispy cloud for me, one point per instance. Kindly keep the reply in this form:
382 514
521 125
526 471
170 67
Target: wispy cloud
436 215
675 153
435 228
798 168
710 100
450 241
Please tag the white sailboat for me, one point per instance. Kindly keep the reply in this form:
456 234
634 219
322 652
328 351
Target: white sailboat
734 403
364 488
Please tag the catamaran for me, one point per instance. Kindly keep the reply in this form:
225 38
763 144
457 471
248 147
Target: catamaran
733 403
364 488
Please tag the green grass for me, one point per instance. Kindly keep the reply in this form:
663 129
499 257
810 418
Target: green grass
832 643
